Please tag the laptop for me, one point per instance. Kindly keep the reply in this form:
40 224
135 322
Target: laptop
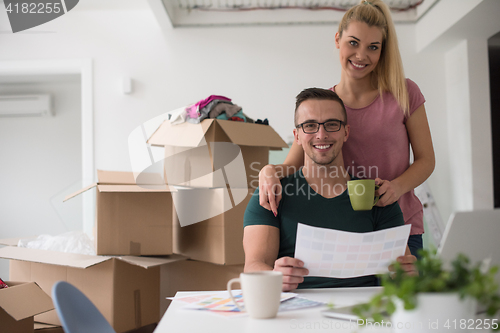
475 234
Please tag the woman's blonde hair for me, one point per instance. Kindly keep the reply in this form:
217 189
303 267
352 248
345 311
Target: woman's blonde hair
389 74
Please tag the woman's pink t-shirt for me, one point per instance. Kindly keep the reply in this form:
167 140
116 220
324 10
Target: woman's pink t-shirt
378 146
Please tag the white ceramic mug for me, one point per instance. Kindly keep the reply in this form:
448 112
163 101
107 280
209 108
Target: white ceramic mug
261 293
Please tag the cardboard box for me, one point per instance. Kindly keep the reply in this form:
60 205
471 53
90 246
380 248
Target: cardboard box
125 289
132 218
46 328
144 329
19 303
215 152
191 275
218 238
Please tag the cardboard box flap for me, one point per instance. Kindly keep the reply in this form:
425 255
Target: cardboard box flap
119 181
147 262
80 260
190 135
25 300
51 257
115 177
41 327
72 195
128 178
246 134
134 188
182 135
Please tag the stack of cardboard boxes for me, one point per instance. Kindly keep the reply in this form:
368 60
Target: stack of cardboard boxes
145 230
219 162
214 166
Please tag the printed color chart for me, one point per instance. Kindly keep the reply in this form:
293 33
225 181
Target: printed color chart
341 254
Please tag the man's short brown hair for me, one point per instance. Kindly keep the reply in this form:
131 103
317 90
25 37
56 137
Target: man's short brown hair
319 94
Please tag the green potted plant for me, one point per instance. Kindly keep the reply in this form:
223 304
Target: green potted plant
437 299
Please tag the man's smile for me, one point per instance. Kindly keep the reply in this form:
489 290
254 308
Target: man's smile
322 146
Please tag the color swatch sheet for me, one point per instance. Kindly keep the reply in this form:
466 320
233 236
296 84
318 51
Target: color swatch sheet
219 304
222 301
194 302
341 254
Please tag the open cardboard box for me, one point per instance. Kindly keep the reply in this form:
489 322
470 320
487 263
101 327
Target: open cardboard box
133 217
215 152
218 238
19 303
125 289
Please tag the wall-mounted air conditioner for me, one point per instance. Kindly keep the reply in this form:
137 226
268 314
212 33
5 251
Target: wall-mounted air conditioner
25 105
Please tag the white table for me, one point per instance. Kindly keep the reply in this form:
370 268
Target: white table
177 320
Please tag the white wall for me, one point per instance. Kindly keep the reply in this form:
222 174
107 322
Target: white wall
428 71
459 129
438 21
480 122
453 62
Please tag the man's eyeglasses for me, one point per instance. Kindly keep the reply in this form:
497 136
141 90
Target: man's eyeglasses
329 126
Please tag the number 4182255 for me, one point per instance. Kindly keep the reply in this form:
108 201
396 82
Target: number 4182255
471 324
34 8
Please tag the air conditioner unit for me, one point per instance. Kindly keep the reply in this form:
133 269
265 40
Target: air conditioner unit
25 105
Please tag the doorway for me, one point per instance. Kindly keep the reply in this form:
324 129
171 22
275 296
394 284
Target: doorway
494 67
45 158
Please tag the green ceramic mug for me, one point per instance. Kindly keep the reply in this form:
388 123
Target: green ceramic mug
362 193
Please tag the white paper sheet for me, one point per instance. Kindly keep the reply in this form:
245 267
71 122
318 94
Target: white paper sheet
341 254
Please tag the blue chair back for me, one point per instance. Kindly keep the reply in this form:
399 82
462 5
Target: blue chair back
76 312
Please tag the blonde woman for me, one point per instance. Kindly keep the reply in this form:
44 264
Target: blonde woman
386 114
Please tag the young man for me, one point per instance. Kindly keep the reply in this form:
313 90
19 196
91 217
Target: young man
315 195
